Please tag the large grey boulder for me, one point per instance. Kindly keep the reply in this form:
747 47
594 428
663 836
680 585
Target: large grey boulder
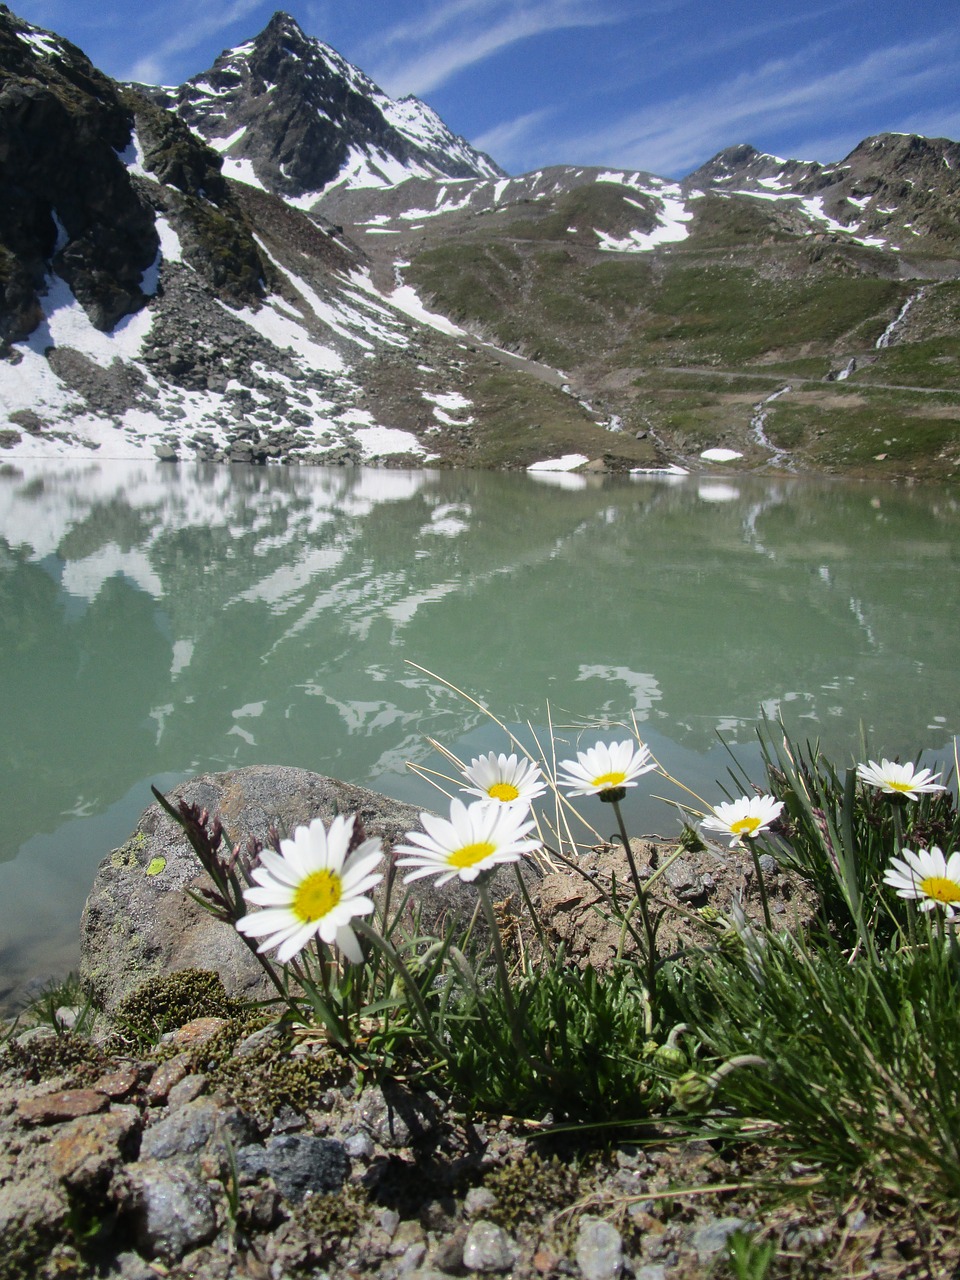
140 922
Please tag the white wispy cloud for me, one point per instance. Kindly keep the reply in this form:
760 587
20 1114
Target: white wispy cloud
416 57
192 25
785 94
507 142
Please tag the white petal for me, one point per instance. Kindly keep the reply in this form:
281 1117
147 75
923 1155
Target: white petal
347 941
260 922
296 942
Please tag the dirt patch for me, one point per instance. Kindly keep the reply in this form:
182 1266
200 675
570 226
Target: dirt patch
573 904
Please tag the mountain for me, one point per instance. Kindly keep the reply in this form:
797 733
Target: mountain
288 113
893 189
276 262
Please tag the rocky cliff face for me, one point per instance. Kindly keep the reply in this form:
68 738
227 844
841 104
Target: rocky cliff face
68 200
90 172
290 113
900 187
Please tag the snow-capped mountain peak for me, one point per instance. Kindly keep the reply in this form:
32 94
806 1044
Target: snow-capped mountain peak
291 115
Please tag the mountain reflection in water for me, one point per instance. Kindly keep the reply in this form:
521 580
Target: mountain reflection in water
159 621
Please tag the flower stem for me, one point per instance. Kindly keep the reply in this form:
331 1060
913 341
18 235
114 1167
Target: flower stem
516 1034
897 810
389 952
761 884
649 929
493 925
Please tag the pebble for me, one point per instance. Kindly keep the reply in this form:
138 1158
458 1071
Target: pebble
298 1163
488 1248
712 1236
186 1090
84 1152
185 1133
68 1104
176 1211
194 1033
117 1084
359 1146
407 1233
599 1249
164 1078
477 1201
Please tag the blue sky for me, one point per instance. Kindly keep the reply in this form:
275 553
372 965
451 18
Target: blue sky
659 85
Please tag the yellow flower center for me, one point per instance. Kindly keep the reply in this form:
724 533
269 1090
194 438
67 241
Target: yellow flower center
895 785
503 791
607 781
471 854
940 888
745 826
317 894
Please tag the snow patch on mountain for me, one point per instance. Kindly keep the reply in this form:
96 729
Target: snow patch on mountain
812 207
670 229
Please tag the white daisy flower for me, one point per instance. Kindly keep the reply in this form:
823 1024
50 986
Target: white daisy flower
504 779
899 779
743 818
475 839
929 877
312 886
606 767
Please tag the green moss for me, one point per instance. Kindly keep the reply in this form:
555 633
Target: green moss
167 1002
155 866
329 1221
65 1055
23 1251
269 1077
531 1189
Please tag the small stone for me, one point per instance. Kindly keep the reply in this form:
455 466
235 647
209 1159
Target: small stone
478 1200
388 1220
194 1033
117 1084
599 1249
407 1233
712 1236
413 1255
448 1255
186 1133
545 1261
186 1090
68 1104
85 1152
488 1248
130 1266
175 1211
256 1041
359 1146
298 1163
287 1120
164 1078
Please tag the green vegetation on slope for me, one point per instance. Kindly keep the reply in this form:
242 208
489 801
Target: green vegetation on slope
688 340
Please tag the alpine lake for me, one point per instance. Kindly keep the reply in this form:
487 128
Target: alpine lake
161 621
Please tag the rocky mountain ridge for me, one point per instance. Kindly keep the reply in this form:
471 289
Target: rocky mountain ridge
275 261
289 112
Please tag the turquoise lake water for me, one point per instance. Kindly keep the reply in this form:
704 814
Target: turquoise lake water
160 621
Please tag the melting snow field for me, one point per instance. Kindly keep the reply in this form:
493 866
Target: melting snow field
52 420
569 462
